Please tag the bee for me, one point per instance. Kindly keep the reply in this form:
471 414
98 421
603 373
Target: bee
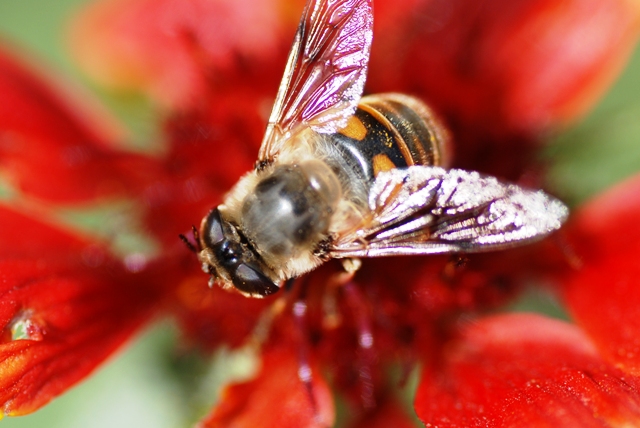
340 175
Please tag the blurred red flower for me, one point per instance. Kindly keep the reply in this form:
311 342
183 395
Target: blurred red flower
503 75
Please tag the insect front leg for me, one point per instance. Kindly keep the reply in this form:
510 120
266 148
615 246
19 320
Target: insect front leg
331 313
265 322
342 285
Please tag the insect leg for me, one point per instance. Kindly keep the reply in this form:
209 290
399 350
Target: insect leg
263 326
568 251
299 312
362 317
305 373
331 312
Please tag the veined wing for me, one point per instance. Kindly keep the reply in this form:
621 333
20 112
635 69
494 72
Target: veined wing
429 210
325 73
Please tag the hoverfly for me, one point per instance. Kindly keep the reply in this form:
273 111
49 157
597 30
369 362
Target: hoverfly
342 176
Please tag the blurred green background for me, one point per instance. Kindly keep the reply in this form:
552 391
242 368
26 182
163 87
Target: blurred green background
149 384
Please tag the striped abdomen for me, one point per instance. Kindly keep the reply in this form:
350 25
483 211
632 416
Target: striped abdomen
391 131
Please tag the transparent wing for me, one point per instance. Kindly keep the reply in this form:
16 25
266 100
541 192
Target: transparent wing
325 72
429 210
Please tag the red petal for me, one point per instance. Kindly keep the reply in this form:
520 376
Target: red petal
522 63
49 150
387 414
215 317
526 370
604 293
21 236
502 72
275 398
220 61
211 146
215 138
64 310
163 46
72 319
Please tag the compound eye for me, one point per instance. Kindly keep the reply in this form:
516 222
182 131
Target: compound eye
251 281
229 253
212 233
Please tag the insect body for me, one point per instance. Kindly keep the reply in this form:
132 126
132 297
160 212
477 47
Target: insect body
345 176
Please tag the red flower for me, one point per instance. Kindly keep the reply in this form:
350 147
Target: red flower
503 75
